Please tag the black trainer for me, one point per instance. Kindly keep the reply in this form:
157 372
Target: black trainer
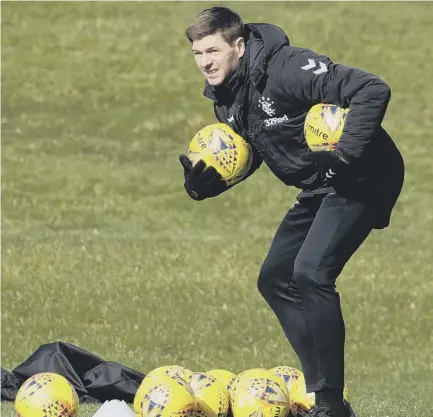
317 411
349 408
326 412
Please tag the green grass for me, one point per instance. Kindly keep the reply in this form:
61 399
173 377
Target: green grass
101 247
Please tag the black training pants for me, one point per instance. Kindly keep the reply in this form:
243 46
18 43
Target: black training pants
316 238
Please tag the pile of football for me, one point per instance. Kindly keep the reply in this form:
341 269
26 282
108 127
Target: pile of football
174 391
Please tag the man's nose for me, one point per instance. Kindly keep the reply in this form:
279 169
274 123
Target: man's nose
206 61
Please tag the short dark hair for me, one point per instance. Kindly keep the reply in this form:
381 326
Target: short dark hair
216 20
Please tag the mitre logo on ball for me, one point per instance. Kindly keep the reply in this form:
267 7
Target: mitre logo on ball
324 126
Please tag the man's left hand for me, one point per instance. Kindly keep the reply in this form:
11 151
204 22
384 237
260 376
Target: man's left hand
328 164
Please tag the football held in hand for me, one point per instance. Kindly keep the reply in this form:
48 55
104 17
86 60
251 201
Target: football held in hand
220 147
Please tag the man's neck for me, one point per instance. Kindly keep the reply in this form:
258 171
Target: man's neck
233 79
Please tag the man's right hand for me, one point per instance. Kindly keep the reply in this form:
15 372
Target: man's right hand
201 182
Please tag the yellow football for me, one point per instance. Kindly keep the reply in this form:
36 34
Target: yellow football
165 396
224 377
289 374
244 375
171 370
220 147
46 395
324 126
211 395
259 393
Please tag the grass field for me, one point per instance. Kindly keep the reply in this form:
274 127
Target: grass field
102 248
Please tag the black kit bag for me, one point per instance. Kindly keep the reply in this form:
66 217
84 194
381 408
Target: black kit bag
94 379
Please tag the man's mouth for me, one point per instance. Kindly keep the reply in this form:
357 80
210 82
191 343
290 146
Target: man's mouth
213 71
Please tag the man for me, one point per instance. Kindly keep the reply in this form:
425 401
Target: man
263 87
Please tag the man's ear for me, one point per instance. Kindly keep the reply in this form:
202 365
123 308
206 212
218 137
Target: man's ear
240 45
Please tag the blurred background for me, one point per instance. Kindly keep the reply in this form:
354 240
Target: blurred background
101 247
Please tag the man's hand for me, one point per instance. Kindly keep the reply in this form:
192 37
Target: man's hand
328 164
201 182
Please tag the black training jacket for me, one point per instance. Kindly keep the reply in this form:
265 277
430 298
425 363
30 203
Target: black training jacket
267 99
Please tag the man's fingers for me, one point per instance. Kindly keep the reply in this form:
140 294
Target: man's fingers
308 157
197 169
206 179
209 174
186 162
213 171
217 182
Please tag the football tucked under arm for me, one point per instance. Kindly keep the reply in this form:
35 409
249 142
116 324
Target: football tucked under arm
312 78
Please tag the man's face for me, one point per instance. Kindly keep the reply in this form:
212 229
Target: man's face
215 58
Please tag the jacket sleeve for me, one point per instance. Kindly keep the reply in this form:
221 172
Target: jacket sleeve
311 78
